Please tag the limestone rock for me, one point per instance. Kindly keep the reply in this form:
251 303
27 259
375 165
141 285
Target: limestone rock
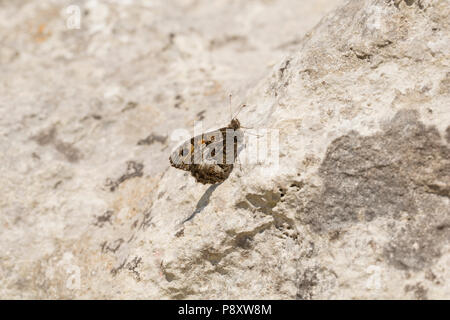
357 205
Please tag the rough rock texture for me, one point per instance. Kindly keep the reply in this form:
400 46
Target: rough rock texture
358 206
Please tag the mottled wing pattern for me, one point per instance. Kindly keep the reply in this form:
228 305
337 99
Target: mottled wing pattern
209 169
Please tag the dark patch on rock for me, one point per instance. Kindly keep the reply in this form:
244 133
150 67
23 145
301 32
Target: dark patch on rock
179 233
146 221
243 241
104 218
264 202
92 116
115 271
215 44
71 153
419 291
312 280
178 101
106 247
283 68
130 106
306 282
415 246
45 137
399 172
397 3
361 53
133 265
48 137
152 139
134 169
200 115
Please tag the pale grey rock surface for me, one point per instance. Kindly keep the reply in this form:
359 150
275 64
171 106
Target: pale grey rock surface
358 206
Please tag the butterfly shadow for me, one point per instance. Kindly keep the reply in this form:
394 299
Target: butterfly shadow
203 202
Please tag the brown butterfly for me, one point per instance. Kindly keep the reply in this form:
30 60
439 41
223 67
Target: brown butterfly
210 156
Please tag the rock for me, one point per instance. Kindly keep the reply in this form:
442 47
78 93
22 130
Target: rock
355 206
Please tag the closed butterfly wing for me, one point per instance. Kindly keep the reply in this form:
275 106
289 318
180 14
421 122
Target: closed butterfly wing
210 156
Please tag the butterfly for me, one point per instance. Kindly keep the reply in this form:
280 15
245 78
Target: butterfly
210 156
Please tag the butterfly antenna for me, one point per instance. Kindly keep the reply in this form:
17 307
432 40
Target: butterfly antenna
240 109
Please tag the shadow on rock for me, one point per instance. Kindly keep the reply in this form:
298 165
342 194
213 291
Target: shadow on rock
203 202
